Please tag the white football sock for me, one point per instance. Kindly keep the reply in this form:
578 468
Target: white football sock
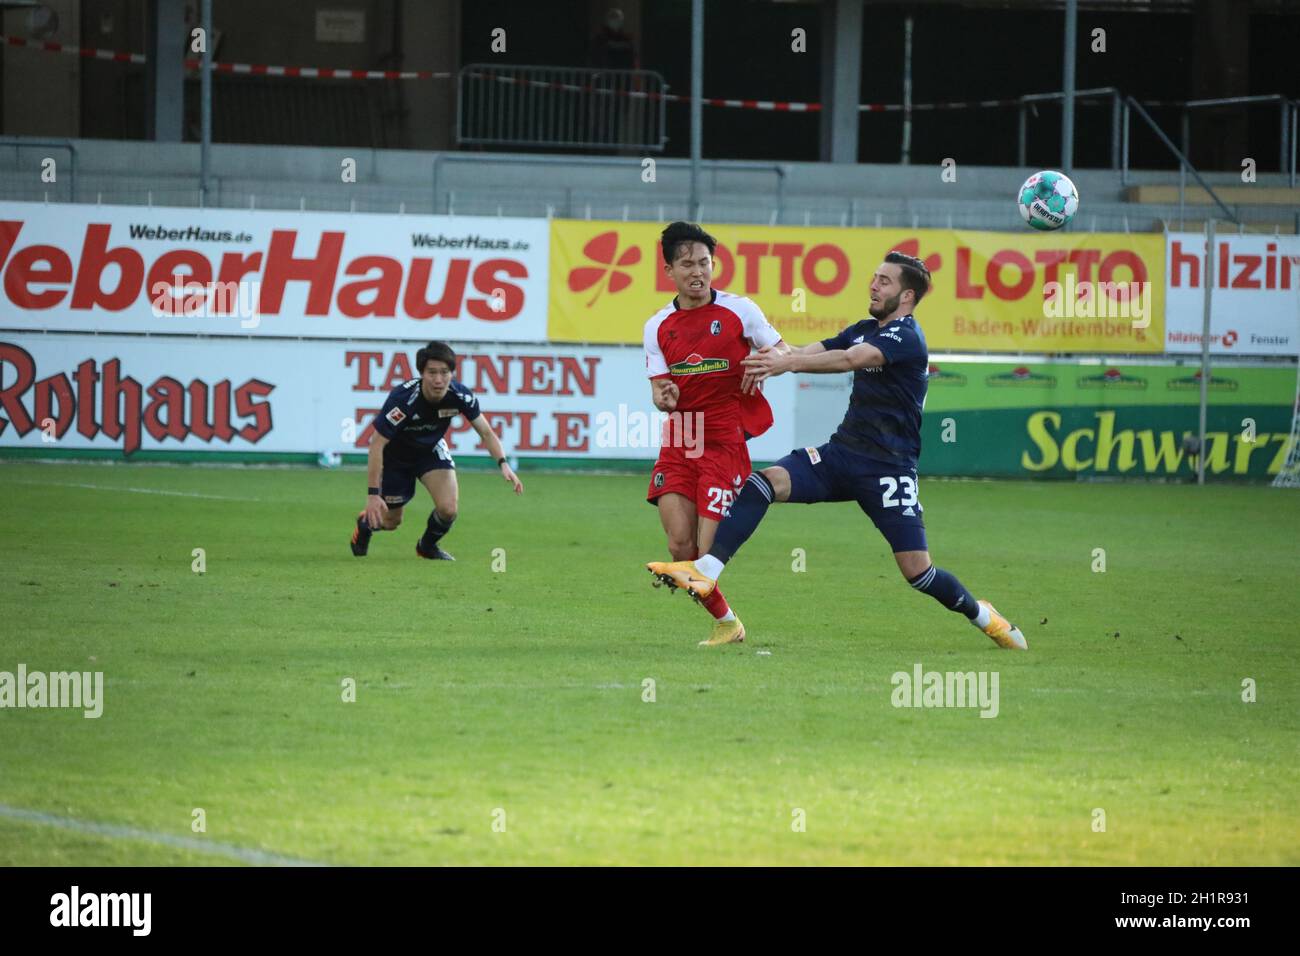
729 616
982 618
709 566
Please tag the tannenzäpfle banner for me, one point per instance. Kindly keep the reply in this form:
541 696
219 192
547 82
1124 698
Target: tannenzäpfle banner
993 292
274 273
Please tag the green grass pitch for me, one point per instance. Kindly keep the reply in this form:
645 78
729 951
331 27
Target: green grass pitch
487 698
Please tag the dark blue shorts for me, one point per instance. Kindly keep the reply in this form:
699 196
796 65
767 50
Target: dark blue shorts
888 495
403 469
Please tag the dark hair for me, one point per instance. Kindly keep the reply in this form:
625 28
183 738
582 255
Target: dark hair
913 273
679 232
439 351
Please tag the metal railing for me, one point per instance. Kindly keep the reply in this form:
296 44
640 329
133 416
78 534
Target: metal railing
1185 165
1028 101
1287 148
1285 105
561 107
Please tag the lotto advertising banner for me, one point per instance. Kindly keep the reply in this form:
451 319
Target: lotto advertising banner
131 394
1255 303
999 292
1062 420
238 272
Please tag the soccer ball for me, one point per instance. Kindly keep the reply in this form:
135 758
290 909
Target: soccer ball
329 459
1048 200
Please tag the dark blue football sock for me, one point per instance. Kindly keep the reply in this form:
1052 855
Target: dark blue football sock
743 517
945 589
434 531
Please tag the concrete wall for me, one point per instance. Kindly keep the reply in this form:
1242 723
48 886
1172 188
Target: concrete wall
388 180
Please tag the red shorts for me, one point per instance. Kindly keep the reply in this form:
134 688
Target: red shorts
712 480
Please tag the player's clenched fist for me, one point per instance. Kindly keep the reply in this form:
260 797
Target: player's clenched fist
669 393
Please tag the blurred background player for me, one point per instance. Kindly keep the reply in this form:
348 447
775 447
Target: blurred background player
871 458
409 444
694 347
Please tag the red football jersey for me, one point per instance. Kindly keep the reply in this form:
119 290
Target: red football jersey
701 349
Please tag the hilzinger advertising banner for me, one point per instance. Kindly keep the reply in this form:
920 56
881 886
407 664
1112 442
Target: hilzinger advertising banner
239 272
1255 302
992 292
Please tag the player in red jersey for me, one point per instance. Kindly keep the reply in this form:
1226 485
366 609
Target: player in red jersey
693 350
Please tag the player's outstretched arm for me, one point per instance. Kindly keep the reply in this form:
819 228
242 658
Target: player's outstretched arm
498 453
375 505
749 383
764 365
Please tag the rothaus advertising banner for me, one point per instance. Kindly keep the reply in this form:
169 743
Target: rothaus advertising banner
237 272
992 292
132 393
1255 302
1057 420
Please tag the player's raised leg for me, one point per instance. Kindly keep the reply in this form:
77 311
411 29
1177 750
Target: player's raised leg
445 491
759 491
944 587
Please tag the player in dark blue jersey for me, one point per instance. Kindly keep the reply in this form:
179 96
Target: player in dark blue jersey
871 458
409 445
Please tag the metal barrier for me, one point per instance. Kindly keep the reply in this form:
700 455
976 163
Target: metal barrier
561 107
19 142
606 162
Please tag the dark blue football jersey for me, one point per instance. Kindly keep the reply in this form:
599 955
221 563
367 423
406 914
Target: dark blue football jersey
883 420
413 423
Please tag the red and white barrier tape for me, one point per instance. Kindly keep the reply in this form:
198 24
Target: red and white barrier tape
250 69
329 73
317 72
89 53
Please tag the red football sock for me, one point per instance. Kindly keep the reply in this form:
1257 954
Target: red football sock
716 604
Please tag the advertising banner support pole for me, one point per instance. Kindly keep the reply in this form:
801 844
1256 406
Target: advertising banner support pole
1205 347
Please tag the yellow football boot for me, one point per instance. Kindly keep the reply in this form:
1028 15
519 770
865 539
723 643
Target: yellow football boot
682 574
1005 634
725 632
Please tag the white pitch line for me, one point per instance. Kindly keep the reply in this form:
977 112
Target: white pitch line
116 831
138 491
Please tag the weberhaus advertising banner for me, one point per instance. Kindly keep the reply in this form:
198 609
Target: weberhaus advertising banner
272 273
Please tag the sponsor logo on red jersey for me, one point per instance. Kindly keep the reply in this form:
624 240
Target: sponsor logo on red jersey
696 364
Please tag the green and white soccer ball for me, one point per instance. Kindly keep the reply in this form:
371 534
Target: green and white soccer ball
1048 200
